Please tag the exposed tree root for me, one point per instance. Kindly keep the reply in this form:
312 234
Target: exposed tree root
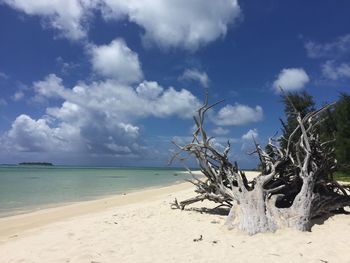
295 185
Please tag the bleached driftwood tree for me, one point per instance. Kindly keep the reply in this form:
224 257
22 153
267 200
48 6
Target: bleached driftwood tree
295 184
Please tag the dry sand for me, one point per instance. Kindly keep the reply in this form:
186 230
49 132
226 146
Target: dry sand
141 227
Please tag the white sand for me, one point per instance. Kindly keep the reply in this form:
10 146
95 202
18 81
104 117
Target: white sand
141 227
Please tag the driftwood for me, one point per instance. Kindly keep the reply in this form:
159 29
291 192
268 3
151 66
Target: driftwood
295 184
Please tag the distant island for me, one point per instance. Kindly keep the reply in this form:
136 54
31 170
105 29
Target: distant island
36 163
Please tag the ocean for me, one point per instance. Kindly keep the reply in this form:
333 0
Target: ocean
29 188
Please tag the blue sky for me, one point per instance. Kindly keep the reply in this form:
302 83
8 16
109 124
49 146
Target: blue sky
112 82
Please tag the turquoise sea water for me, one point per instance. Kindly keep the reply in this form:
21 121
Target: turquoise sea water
27 188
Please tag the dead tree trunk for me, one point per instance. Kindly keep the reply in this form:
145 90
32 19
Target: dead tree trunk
295 184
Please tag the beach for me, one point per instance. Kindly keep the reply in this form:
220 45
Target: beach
141 227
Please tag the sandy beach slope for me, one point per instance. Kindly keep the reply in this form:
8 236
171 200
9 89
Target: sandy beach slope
141 227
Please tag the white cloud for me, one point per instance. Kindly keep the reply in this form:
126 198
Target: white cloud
186 24
116 61
220 131
237 114
333 49
50 87
183 23
291 79
99 118
249 135
149 89
332 71
181 103
248 140
36 135
194 74
69 17
114 98
88 135
132 131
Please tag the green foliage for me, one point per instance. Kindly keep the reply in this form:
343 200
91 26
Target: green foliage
335 125
342 135
342 177
328 127
293 103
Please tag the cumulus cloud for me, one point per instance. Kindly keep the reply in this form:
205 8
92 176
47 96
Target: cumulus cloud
96 118
186 24
338 47
89 136
291 79
69 17
220 131
115 99
181 103
196 75
334 72
249 135
50 87
247 140
116 61
36 135
149 89
237 114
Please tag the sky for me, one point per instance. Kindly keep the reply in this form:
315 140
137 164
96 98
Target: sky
113 82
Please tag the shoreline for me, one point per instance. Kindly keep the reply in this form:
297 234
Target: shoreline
22 207
13 224
33 208
29 219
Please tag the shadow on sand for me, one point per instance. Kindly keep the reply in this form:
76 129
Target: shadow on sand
321 219
222 211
